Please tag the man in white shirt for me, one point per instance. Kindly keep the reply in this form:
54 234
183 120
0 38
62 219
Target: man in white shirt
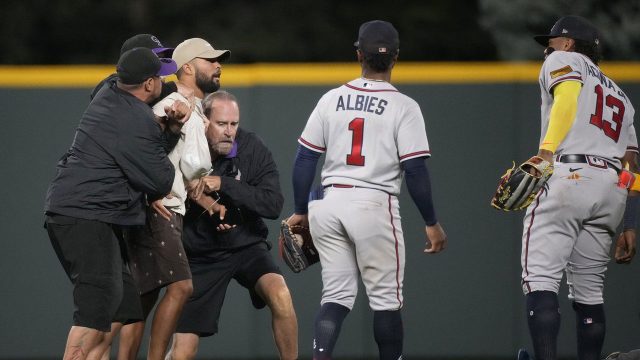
157 255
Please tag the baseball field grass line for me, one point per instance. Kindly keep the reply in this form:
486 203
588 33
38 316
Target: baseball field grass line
308 74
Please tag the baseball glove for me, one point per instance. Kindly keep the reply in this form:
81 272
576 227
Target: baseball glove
296 247
518 187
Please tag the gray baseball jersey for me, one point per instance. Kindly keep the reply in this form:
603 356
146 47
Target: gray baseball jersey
605 114
570 225
366 129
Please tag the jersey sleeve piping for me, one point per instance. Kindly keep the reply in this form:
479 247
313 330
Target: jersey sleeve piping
423 153
566 78
310 146
633 149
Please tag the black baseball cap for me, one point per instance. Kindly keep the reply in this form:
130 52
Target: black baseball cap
378 37
147 41
573 27
138 64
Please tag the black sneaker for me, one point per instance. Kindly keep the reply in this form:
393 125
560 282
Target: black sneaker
631 355
523 354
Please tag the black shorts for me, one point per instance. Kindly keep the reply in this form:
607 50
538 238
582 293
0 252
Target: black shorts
156 254
92 254
210 280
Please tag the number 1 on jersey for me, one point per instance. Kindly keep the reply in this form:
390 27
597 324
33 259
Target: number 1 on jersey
355 158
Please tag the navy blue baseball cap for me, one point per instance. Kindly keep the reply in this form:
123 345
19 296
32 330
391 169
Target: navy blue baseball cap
138 64
147 41
378 37
573 27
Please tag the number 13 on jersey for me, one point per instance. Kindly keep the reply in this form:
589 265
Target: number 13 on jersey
617 117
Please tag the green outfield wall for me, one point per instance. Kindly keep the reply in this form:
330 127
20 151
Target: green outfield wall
463 303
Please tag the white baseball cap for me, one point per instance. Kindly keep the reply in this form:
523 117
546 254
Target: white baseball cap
197 48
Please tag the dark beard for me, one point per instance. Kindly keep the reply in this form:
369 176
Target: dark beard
207 85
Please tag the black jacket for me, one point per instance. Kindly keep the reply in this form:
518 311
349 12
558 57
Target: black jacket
250 189
119 153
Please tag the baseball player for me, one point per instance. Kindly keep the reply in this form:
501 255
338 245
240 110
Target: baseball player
587 129
370 133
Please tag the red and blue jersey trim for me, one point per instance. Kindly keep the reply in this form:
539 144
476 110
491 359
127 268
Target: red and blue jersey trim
415 154
310 145
559 80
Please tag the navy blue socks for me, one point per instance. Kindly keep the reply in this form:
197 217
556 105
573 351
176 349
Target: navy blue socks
387 330
327 328
591 328
543 317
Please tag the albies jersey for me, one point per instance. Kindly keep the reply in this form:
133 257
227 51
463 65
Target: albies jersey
366 128
604 120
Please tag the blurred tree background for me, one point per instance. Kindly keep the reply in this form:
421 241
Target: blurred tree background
92 31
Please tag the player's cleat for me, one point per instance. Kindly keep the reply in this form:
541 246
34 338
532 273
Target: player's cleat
612 356
523 354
